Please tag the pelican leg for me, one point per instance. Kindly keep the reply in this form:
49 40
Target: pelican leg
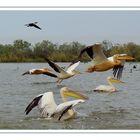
59 81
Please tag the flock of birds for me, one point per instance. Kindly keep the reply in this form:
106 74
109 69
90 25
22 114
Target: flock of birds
99 63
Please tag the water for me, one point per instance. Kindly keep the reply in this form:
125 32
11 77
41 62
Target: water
120 110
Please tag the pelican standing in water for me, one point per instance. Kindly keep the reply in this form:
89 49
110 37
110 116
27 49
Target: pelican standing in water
49 109
108 88
64 74
101 63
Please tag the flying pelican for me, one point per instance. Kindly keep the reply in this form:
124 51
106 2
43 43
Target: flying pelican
49 109
101 63
44 71
64 74
33 25
108 88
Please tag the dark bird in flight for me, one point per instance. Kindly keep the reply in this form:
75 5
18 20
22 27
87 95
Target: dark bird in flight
134 67
33 25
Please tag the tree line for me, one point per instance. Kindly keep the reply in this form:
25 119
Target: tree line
23 51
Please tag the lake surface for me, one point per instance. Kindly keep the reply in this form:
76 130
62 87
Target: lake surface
120 110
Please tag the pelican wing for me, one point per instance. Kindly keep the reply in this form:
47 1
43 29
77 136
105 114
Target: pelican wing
64 107
47 104
65 111
72 67
95 52
117 71
99 55
55 66
49 74
88 50
36 26
33 104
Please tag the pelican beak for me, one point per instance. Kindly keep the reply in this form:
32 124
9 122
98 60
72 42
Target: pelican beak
74 94
27 72
112 80
127 58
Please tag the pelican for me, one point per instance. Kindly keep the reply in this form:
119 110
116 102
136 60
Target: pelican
108 88
64 74
100 62
33 25
44 71
49 109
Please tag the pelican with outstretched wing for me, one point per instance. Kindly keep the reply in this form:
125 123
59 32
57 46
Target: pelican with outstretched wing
64 74
110 87
101 63
37 71
49 109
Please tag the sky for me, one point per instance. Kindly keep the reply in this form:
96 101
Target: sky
86 27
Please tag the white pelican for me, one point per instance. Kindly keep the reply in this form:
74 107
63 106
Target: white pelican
49 109
64 74
44 71
100 62
110 87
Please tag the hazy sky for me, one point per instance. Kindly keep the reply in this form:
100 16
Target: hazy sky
86 27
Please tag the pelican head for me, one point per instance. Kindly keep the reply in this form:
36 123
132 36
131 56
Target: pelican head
27 72
90 69
65 91
25 24
113 80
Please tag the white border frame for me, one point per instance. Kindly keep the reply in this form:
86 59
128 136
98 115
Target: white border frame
69 8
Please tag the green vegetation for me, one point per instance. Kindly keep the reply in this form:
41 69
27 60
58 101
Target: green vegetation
23 51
